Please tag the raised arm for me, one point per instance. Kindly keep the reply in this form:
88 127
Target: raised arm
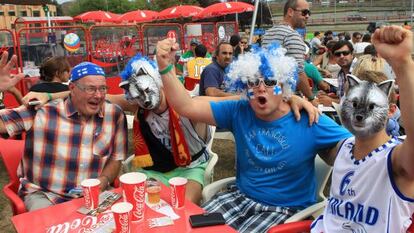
43 97
6 79
122 102
195 109
394 44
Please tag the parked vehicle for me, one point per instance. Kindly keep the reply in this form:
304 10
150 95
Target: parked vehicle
356 18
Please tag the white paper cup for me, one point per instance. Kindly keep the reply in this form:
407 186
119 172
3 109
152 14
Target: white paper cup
91 192
133 185
177 186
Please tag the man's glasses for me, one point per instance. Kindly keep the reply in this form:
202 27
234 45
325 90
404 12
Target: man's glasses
304 12
344 53
266 82
90 90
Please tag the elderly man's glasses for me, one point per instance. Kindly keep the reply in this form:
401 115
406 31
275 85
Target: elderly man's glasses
266 82
90 90
304 12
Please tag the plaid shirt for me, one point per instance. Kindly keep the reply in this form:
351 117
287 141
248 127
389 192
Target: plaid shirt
61 150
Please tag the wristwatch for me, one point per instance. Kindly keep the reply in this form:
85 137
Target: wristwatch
312 98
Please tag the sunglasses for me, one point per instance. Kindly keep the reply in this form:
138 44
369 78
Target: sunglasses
344 53
304 12
243 42
267 82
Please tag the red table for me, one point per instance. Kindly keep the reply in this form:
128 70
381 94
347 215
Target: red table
65 218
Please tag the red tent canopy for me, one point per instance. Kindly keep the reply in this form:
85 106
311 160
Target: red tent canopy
97 16
138 16
182 11
224 8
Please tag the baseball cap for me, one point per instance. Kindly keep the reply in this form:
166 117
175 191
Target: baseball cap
84 69
194 41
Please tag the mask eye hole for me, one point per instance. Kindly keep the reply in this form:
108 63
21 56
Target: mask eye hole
147 90
354 104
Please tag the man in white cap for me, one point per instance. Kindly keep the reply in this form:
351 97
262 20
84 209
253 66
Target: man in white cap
77 138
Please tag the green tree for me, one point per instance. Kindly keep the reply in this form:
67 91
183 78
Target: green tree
160 5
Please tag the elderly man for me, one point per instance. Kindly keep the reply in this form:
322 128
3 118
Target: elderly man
275 153
295 15
77 138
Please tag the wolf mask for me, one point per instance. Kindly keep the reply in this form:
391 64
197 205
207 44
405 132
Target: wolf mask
142 83
364 109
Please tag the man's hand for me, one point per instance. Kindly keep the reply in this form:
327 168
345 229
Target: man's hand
6 79
166 53
394 44
325 100
297 104
40 96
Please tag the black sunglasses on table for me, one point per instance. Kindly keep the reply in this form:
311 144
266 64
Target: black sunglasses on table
304 12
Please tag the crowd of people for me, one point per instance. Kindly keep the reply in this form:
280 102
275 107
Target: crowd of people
262 94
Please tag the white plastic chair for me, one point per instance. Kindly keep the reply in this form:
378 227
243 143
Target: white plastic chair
322 173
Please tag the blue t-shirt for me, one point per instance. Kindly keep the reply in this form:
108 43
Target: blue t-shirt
212 76
275 160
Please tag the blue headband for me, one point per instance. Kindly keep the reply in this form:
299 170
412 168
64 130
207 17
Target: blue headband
84 69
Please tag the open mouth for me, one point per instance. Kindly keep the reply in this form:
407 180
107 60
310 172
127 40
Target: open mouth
93 104
262 100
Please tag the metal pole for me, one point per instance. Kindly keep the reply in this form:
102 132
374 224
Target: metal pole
411 16
237 17
335 11
256 7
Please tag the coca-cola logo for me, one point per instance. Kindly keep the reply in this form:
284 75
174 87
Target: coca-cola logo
174 201
87 196
81 225
139 196
124 222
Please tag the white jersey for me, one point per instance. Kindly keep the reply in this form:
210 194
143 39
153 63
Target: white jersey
159 125
364 197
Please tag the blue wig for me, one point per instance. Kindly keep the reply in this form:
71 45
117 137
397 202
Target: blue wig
138 61
268 63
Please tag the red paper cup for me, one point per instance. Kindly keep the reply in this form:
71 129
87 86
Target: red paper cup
133 185
122 217
91 192
177 185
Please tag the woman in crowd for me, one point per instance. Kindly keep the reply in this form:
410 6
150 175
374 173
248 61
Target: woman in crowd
54 72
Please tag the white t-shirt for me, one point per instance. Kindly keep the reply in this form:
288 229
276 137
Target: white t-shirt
159 125
360 46
315 43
